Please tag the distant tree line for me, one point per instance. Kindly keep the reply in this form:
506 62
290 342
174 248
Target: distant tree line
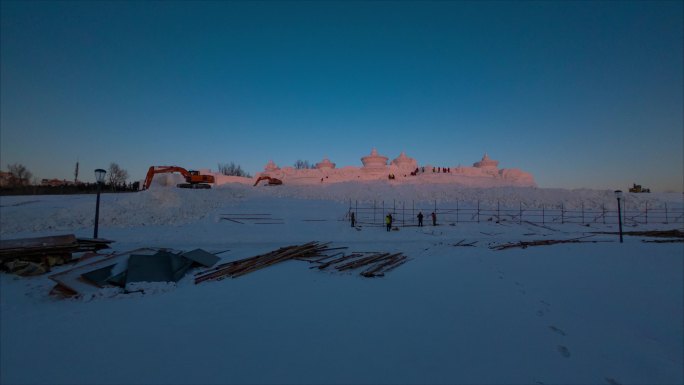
302 164
18 181
232 169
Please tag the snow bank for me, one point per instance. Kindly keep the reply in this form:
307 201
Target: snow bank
512 197
173 206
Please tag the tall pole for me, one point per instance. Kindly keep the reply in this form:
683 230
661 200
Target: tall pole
619 219
97 210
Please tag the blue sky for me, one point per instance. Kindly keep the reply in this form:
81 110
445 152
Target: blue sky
580 94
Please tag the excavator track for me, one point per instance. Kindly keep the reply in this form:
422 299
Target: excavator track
193 185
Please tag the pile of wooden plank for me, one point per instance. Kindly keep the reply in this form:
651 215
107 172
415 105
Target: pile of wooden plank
374 264
244 266
33 256
545 242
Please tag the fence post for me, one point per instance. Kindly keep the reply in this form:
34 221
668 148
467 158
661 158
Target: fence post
666 213
498 212
520 214
413 210
478 211
373 211
603 212
562 213
456 210
543 221
646 212
582 212
403 214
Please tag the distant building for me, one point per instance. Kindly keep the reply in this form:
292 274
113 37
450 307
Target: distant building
55 182
6 179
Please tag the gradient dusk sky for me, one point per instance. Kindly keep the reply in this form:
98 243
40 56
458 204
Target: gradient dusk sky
580 94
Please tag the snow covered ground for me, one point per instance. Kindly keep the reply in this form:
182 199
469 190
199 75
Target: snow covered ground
581 313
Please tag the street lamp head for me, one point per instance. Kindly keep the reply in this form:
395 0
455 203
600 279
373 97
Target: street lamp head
100 175
618 194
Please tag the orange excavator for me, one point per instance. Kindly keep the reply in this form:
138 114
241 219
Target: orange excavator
271 181
193 178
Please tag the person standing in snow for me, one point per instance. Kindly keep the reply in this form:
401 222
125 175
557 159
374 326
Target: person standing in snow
434 218
353 219
388 222
420 218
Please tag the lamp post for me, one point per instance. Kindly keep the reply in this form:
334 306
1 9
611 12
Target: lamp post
99 176
618 195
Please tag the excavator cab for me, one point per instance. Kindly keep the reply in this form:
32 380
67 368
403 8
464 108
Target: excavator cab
196 180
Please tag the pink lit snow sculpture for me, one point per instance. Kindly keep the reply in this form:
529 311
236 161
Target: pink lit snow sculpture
486 162
325 164
374 161
405 162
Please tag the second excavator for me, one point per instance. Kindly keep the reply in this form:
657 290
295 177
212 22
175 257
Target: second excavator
271 181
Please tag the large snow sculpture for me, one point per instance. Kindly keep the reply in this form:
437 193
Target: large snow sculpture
325 164
405 162
486 162
374 162
270 167
484 173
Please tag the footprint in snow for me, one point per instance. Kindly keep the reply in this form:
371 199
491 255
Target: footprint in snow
521 288
557 330
563 351
612 381
545 308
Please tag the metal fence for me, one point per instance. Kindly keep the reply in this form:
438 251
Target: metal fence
405 213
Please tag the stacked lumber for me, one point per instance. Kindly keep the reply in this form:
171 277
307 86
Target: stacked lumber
675 233
245 266
375 264
545 242
372 264
32 256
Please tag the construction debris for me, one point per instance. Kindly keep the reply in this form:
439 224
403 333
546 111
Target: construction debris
545 242
376 264
677 240
124 269
248 265
33 256
463 243
675 233
257 219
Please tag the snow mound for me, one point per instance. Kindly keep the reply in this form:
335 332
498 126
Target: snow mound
171 206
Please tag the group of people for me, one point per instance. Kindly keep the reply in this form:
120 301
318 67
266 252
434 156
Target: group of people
389 219
441 169
420 218
434 169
